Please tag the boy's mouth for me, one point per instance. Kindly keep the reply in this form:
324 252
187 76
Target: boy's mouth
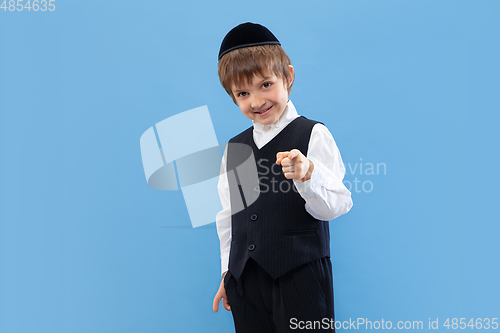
264 111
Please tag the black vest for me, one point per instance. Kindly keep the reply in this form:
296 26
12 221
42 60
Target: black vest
271 224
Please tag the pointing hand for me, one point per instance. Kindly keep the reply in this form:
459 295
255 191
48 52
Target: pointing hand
295 165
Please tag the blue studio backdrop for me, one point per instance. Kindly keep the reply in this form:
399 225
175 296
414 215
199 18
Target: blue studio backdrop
409 90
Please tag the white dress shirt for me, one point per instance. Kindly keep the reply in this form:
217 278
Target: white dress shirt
325 195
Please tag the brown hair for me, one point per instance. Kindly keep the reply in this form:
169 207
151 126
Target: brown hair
243 63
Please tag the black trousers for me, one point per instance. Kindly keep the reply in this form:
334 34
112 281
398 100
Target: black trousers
301 299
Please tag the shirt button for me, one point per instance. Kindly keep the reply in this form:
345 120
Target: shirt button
253 217
256 188
251 247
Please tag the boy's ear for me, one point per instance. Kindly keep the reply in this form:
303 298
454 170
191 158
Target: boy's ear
292 74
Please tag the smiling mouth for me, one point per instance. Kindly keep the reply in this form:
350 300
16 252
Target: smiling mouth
260 112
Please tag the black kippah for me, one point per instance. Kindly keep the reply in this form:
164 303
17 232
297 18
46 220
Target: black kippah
246 34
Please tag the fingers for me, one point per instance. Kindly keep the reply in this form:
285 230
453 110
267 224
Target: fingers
293 153
293 163
216 302
287 154
280 156
221 294
288 171
225 304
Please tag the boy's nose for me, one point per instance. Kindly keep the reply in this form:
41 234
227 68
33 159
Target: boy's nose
257 102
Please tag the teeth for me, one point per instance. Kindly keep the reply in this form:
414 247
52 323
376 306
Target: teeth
264 110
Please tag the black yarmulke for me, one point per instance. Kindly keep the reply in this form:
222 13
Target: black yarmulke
246 34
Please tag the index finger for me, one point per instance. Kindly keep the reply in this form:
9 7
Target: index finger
216 303
280 156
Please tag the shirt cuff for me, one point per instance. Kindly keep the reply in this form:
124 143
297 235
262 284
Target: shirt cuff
224 265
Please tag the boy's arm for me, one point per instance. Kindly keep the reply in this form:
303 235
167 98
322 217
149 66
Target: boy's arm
325 195
223 218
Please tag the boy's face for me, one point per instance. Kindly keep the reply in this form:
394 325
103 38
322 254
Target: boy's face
266 93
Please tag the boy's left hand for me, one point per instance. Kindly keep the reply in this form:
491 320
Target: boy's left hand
295 165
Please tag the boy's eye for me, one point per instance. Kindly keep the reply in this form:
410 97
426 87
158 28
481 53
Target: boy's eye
243 93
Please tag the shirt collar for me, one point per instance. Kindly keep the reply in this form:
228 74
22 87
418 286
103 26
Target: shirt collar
286 117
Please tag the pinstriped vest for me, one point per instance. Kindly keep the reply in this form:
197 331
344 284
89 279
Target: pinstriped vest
274 229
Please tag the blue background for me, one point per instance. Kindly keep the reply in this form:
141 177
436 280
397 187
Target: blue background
87 246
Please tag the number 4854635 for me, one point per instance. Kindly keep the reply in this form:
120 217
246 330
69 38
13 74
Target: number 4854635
36 5
479 323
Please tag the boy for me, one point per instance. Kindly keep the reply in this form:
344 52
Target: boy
275 251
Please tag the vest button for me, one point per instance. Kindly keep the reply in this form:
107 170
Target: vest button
251 247
256 188
253 217
259 161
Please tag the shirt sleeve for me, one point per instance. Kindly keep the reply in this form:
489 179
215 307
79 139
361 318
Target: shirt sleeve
223 218
325 195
